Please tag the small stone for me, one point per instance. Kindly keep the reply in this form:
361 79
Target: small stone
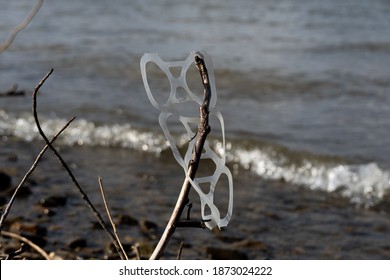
5 181
148 228
31 228
53 201
48 212
227 236
251 244
215 253
12 157
77 243
38 240
127 220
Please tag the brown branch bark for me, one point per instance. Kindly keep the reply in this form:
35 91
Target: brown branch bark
203 131
83 194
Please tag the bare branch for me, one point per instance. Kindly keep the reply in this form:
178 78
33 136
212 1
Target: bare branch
29 172
29 242
18 252
21 26
180 251
109 217
83 194
135 248
203 131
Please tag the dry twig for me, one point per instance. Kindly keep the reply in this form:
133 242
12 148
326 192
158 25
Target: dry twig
21 26
135 248
203 131
29 172
29 242
83 194
180 251
109 217
18 252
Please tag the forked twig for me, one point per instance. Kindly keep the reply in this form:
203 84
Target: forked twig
203 131
109 217
29 242
84 196
21 26
29 172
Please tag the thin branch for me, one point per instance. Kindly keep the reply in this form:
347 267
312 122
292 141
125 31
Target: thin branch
29 172
29 242
18 252
180 251
203 131
21 26
135 248
109 217
84 196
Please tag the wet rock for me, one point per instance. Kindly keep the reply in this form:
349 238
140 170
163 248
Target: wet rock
53 201
12 91
128 247
127 220
146 248
12 157
37 239
3 201
253 244
96 225
215 253
31 228
148 228
227 236
5 181
48 212
24 192
77 243
261 248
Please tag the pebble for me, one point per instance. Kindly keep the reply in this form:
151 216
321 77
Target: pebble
215 253
26 227
5 181
127 220
148 228
77 243
53 201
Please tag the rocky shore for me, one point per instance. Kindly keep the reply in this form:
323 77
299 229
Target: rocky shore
271 219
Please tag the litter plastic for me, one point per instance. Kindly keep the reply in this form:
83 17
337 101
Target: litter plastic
210 213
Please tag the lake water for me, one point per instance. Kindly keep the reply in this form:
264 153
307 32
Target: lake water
304 86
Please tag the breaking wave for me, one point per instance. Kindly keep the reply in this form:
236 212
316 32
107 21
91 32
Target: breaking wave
365 184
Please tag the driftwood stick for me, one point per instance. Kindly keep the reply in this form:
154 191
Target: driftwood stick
203 131
29 172
21 26
83 194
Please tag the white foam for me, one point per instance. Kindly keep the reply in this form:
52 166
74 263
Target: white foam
82 132
362 183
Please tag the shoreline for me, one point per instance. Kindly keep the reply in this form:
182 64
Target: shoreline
271 219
